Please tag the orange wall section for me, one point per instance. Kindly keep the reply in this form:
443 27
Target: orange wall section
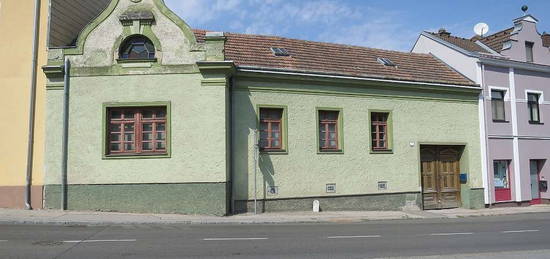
16 28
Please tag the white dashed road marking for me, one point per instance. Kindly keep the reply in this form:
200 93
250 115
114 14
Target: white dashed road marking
100 241
520 231
348 237
451 234
235 238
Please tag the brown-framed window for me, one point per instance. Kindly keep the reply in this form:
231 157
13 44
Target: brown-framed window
136 131
271 123
379 131
329 130
137 47
533 106
497 105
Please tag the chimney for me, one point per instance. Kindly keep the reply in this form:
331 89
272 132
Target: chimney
443 32
545 40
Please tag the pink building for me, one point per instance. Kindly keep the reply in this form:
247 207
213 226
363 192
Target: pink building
513 68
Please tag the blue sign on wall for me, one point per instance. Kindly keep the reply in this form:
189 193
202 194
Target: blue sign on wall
463 178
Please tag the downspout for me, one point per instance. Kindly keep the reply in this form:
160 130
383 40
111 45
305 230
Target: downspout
486 135
65 145
32 107
231 156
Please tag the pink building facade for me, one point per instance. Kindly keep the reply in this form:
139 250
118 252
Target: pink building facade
513 68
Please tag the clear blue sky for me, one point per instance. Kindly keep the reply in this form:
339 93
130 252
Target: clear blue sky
388 24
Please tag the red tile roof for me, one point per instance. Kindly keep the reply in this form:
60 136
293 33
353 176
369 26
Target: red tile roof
466 44
316 57
496 40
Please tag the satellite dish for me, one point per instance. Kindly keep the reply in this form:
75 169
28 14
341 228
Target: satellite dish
481 29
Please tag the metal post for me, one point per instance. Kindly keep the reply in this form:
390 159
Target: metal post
32 107
256 149
65 148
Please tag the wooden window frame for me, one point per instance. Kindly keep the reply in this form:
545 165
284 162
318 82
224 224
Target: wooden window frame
139 121
339 149
531 105
283 147
388 124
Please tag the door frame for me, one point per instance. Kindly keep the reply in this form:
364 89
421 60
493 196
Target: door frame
462 146
539 169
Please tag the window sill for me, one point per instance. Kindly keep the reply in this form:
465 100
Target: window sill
536 123
274 152
147 60
389 151
501 121
136 156
329 152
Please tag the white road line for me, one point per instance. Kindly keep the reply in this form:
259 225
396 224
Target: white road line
450 234
347 237
235 238
3 240
99 241
520 231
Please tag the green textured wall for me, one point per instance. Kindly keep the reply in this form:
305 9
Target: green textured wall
436 117
198 139
205 198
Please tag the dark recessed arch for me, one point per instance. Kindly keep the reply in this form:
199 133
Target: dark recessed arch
137 47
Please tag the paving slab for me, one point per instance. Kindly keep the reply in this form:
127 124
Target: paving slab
13 216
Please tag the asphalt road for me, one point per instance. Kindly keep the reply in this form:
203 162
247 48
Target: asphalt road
526 235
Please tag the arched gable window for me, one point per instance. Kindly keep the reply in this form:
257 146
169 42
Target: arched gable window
137 47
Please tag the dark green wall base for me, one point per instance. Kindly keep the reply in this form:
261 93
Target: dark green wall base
472 198
393 201
192 198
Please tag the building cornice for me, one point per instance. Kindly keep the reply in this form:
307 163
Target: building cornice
362 80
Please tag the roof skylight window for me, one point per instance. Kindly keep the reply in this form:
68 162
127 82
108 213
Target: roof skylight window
386 62
280 52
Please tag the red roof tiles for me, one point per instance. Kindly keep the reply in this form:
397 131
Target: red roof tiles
496 41
316 57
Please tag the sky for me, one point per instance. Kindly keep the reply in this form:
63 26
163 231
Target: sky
386 24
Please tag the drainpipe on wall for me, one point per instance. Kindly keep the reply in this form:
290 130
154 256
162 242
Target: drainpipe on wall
32 107
485 91
65 147
231 157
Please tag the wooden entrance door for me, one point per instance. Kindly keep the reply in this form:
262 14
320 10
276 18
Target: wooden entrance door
440 168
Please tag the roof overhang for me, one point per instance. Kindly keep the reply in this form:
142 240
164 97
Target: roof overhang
273 72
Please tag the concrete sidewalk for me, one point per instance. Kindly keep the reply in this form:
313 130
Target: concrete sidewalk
9 216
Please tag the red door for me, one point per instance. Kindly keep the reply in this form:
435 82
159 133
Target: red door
501 172
535 180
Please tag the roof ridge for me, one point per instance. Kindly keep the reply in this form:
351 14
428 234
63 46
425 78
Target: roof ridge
498 33
462 38
318 42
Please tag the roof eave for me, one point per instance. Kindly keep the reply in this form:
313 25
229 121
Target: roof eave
319 75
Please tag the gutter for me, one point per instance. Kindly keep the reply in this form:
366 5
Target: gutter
32 107
251 69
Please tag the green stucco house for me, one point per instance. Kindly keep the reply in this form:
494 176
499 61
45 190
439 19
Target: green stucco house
145 114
